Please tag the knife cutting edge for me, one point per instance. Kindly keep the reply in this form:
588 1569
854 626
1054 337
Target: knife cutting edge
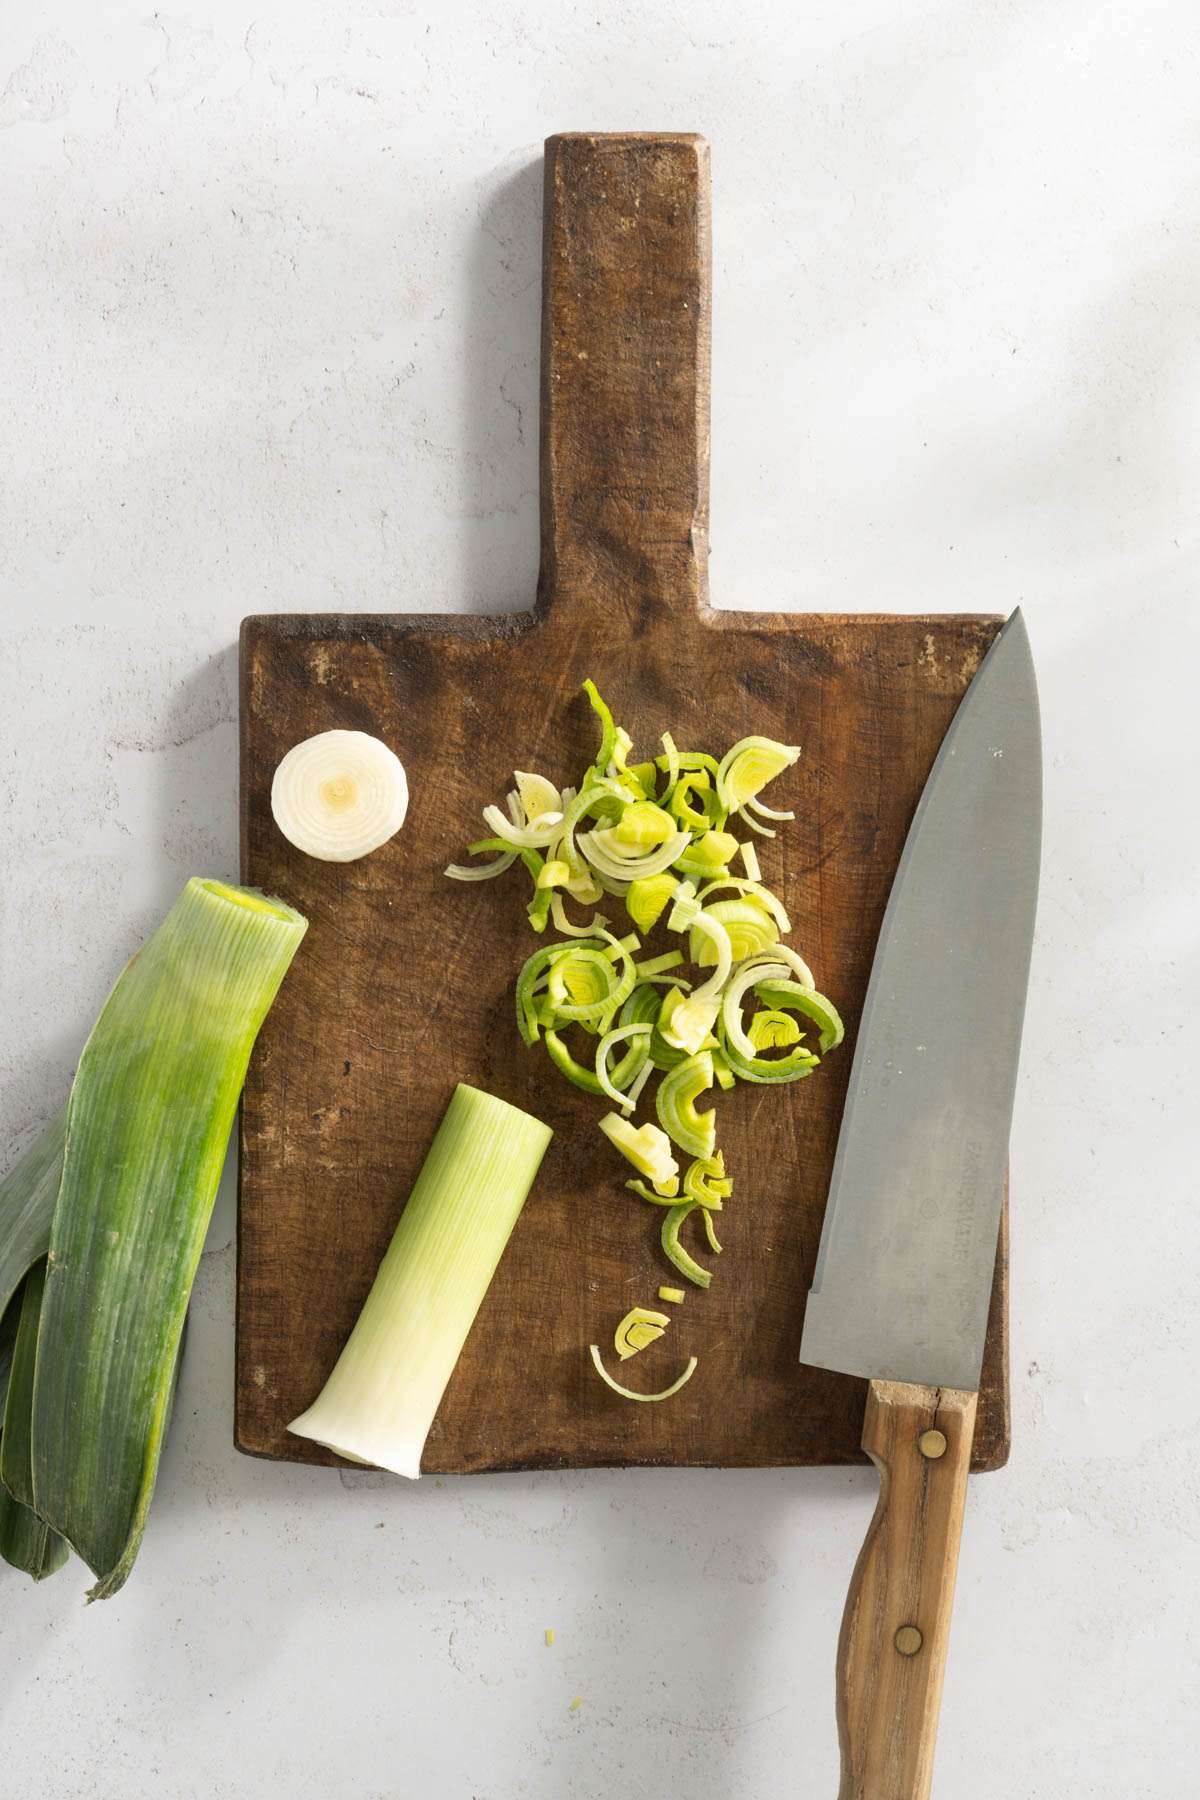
904 1271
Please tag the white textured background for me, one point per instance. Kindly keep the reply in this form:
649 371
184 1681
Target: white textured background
268 301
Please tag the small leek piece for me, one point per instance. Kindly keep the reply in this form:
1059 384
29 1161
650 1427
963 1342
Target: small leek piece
598 849
667 1197
608 1083
648 898
753 890
641 827
750 930
381 1397
527 836
537 795
795 997
773 1030
148 1121
674 1251
631 1394
706 1182
674 1296
708 855
608 731
646 1147
749 766
481 871
339 795
638 1329
695 1133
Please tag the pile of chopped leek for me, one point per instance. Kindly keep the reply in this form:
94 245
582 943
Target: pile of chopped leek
101 1227
720 999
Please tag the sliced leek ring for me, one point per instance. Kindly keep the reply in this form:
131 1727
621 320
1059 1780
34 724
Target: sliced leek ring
628 1393
339 795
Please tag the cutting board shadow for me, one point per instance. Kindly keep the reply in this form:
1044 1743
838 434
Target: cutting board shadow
404 983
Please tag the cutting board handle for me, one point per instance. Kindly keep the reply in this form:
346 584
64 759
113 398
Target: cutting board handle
626 286
892 1651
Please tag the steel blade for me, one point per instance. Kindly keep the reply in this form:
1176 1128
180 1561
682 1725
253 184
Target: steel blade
904 1271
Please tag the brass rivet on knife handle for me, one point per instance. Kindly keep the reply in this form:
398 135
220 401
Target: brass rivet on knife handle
889 1675
932 1444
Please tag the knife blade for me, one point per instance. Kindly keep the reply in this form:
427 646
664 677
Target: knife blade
903 1276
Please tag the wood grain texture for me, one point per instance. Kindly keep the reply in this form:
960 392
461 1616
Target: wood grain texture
892 1650
404 982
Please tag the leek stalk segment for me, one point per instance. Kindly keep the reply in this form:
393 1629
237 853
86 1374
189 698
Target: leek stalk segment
382 1394
147 1125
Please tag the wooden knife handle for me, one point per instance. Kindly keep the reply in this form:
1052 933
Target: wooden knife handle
892 1649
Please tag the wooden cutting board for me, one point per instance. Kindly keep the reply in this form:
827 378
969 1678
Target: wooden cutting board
404 984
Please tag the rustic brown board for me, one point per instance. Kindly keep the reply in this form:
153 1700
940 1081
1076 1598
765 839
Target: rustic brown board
404 983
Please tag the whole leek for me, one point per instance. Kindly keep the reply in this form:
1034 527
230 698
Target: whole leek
380 1400
147 1124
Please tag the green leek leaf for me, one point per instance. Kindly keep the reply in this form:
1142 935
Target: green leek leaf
147 1125
26 1541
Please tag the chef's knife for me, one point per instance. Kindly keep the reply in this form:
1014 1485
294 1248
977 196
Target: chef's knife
904 1271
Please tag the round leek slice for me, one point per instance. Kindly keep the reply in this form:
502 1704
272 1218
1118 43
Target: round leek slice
629 1393
340 795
